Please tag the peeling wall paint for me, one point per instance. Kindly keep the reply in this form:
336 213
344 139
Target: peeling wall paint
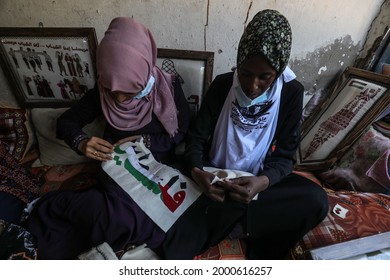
374 38
321 66
378 29
325 39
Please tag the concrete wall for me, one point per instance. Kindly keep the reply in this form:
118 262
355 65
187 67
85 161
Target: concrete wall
327 34
379 28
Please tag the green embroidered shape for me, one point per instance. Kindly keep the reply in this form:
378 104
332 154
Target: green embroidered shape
136 174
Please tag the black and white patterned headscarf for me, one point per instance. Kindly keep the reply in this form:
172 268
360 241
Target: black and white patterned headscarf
269 34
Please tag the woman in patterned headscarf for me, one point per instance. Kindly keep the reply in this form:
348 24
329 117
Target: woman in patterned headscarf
250 121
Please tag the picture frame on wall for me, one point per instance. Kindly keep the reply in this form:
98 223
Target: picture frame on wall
354 103
48 67
194 70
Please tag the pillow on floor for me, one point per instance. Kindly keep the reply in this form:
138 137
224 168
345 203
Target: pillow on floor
66 177
53 151
16 131
72 177
364 167
351 215
227 249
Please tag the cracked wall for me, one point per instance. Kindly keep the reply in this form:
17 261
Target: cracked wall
321 66
327 35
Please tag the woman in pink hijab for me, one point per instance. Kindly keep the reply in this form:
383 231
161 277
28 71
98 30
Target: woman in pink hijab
134 95
137 99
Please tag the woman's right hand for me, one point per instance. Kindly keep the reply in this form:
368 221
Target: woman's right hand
204 179
96 148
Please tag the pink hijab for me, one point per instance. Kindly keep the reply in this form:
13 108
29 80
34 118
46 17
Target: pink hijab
125 60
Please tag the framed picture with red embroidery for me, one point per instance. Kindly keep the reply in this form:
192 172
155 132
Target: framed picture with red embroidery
354 102
194 70
48 67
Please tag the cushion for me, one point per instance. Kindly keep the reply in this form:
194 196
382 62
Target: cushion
52 150
227 249
15 131
364 167
15 179
351 215
67 177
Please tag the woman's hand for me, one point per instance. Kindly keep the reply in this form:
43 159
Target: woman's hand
96 148
244 189
204 179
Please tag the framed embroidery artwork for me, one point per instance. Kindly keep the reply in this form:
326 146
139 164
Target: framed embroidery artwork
194 70
48 67
354 103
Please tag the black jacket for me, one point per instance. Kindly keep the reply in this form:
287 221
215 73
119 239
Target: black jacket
279 161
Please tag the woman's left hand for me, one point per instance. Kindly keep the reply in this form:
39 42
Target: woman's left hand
244 189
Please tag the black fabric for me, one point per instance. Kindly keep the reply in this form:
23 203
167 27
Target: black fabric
282 215
17 186
274 222
67 223
11 208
